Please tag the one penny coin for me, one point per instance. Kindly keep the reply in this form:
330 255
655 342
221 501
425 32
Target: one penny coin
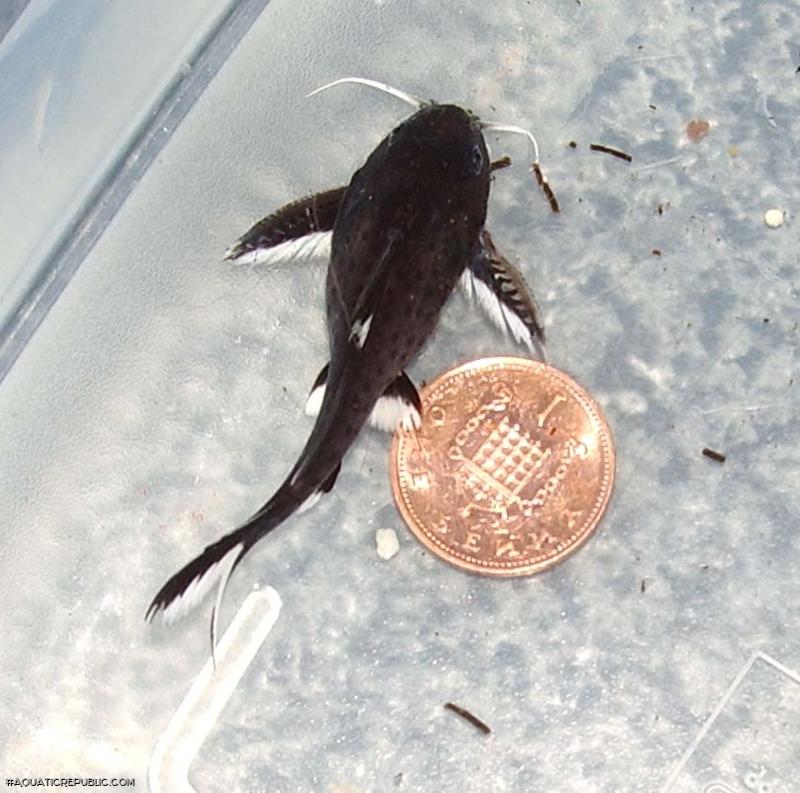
510 471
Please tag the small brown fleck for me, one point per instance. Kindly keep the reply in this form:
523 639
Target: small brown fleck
546 189
613 152
712 455
643 587
470 717
572 144
503 162
656 252
697 129
652 107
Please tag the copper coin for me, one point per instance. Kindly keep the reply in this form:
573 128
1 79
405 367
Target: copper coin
510 471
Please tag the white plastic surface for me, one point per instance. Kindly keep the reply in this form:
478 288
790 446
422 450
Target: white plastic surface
79 82
161 402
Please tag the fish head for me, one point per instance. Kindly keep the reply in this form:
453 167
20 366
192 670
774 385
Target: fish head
445 145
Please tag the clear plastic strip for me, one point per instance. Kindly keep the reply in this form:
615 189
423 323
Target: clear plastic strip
132 163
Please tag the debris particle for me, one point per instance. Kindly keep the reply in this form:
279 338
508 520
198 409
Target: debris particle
774 218
652 107
697 129
541 180
716 456
656 252
503 162
386 543
613 152
765 320
643 587
733 150
471 718
572 144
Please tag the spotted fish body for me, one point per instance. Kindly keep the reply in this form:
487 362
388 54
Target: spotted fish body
403 235
406 228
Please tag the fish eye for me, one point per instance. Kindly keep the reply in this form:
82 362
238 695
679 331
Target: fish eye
477 158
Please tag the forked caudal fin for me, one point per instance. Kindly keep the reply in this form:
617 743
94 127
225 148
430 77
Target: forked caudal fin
189 586
192 583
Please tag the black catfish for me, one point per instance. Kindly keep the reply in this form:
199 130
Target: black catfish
406 229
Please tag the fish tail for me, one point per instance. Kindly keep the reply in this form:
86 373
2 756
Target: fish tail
193 582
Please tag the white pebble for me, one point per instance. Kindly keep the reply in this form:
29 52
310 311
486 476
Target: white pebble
387 543
774 218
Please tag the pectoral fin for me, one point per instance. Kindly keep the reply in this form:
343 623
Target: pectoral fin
299 230
497 286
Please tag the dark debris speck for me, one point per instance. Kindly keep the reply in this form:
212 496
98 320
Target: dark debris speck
717 457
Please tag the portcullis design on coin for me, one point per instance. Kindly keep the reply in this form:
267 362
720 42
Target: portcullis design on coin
511 470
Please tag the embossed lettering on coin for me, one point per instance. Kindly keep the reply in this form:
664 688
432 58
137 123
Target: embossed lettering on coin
511 469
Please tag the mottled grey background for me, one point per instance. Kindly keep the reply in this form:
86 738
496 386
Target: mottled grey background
161 402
